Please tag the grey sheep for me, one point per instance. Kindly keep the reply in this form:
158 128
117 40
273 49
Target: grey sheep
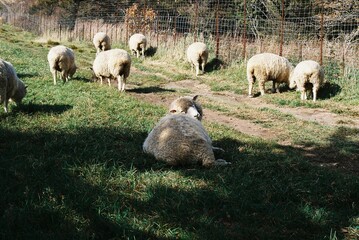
11 87
197 55
179 138
113 64
62 59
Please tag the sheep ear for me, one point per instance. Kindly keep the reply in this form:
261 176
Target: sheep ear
195 98
173 111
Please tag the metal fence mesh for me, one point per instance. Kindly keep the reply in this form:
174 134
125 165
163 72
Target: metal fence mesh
325 31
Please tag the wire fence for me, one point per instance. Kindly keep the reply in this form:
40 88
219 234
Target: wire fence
233 30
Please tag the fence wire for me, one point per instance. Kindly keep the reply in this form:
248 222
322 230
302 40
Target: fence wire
325 31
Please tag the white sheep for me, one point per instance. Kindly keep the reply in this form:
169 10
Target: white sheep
265 67
102 42
197 55
179 138
114 63
11 87
137 44
306 75
62 59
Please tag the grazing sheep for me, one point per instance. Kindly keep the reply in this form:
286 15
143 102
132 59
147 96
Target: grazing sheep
62 59
114 63
11 87
102 42
197 54
179 138
138 44
306 75
265 67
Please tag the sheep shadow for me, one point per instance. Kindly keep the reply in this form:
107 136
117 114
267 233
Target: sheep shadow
213 65
150 51
84 79
144 90
27 75
329 90
43 108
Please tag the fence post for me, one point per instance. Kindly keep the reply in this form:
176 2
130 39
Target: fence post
60 29
281 31
175 30
83 31
217 30
244 37
321 35
195 22
344 49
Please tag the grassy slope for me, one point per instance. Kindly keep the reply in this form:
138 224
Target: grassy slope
72 166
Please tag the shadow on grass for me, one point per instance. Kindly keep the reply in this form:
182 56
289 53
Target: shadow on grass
149 90
329 90
97 183
27 75
43 108
213 65
150 51
84 79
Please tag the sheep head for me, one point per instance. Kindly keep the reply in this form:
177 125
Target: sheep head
188 106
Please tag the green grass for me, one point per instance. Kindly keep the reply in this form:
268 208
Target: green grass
72 166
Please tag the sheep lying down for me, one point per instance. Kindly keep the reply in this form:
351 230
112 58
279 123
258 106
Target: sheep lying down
180 139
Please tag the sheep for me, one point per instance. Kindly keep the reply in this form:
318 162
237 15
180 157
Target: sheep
197 54
62 59
11 87
102 42
265 67
306 75
179 138
114 63
137 44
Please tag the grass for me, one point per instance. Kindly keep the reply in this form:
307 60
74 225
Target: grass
72 165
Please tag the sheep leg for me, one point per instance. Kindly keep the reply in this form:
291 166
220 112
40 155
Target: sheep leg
137 53
143 52
197 69
303 95
64 76
101 80
261 87
273 86
54 73
203 64
5 105
250 87
221 162
121 83
109 82
218 149
3 99
315 92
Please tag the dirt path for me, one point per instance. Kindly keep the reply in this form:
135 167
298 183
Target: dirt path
321 116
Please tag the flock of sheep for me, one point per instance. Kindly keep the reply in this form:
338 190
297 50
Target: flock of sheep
179 138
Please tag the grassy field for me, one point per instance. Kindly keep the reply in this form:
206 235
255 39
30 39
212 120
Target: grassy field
72 166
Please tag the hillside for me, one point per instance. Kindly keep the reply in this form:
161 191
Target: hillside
72 165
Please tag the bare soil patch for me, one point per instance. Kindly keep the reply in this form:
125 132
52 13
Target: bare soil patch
321 116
